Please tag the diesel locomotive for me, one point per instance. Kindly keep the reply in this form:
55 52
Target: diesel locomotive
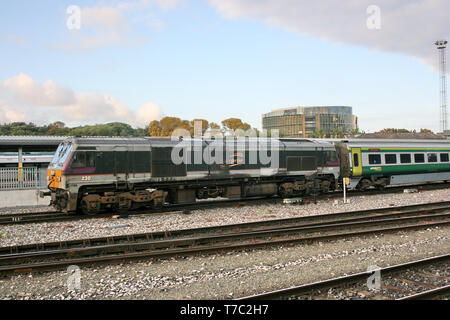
91 175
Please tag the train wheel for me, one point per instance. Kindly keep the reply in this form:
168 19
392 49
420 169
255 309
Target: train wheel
364 184
88 208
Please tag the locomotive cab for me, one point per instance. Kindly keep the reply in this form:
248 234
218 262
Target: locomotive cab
55 177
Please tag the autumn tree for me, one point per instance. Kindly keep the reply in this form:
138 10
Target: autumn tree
154 129
234 124
393 130
214 126
204 123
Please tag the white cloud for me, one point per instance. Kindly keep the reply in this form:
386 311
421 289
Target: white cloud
24 99
100 26
148 112
24 88
9 114
141 4
407 26
104 26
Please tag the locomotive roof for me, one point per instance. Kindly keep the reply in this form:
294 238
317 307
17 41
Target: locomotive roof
114 140
168 140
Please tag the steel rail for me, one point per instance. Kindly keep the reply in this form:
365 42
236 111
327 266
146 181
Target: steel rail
429 294
329 283
341 217
167 243
38 217
19 218
23 218
191 246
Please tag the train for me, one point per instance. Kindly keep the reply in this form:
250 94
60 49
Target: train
92 175
10 159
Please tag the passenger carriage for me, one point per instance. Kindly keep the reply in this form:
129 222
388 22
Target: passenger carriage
379 163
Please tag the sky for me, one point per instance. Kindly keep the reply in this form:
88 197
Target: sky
90 62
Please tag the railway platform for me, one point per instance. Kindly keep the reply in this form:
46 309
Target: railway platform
19 198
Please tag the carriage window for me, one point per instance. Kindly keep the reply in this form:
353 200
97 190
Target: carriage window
432 157
444 157
355 160
390 158
374 159
419 158
405 158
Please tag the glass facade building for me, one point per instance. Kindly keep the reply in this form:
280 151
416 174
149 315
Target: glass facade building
301 122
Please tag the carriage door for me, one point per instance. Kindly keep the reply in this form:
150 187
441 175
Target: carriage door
356 162
121 166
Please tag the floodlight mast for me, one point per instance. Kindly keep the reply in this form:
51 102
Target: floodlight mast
441 46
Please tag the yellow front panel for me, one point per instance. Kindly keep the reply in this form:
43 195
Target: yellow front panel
54 176
356 162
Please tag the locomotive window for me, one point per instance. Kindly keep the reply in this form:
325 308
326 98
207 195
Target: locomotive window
374 159
79 160
83 159
90 159
432 157
419 158
355 160
390 158
405 158
332 156
444 157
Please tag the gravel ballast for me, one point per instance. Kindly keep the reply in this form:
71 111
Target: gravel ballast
234 274
228 275
89 228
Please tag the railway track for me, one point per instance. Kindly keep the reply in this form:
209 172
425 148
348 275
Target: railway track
56 255
32 217
421 279
39 217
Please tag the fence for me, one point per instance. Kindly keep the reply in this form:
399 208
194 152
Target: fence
19 178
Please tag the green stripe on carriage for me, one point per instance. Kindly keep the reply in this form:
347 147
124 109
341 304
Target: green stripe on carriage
404 169
374 150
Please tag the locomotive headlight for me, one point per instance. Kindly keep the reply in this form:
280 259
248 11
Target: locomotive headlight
52 172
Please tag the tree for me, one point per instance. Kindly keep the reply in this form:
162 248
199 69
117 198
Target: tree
337 133
393 130
355 132
317 133
214 126
170 123
234 124
204 123
154 129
